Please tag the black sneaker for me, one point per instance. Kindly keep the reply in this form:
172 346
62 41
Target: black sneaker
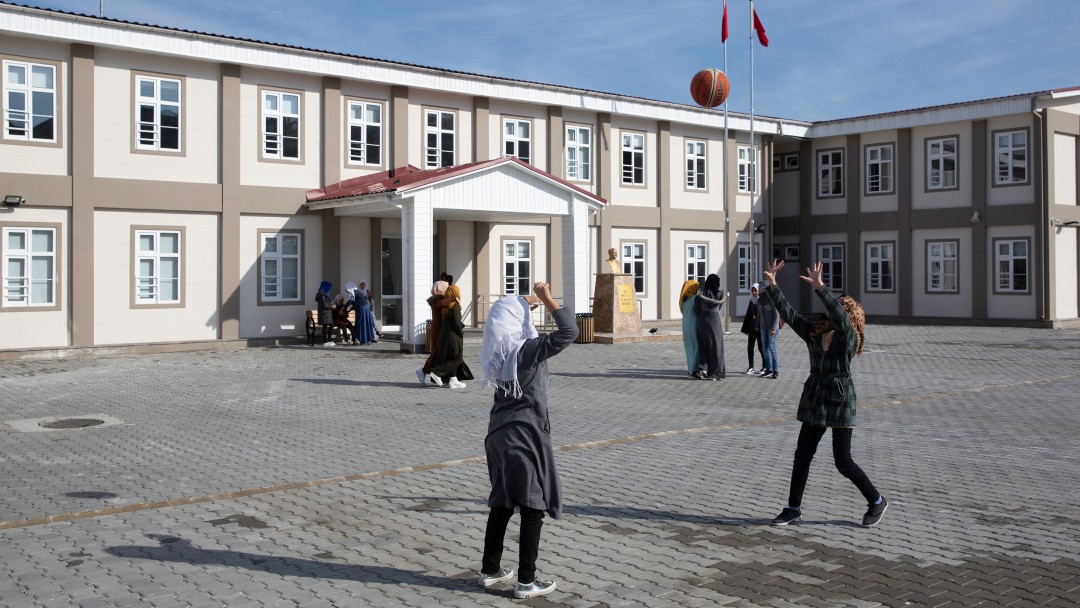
874 513
787 516
773 376
764 373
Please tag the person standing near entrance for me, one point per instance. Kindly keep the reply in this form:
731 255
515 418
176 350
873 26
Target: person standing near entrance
438 288
828 396
449 364
366 331
325 309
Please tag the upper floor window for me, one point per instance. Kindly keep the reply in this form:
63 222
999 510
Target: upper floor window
158 112
517 139
830 173
697 262
879 169
633 263
832 266
365 133
517 263
746 264
578 153
879 266
747 170
29 101
29 269
281 125
438 139
157 267
941 163
695 165
1011 261
1011 157
633 159
279 267
941 266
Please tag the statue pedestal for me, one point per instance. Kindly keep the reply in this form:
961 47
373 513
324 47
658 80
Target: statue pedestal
615 307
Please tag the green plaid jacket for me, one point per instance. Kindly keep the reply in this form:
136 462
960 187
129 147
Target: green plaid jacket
828 397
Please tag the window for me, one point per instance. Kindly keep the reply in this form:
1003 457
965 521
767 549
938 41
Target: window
879 267
879 169
1011 260
941 163
280 267
747 172
697 262
832 266
281 125
830 173
633 263
633 159
941 266
157 266
29 102
517 139
1010 153
29 270
578 154
517 262
747 265
157 113
695 165
438 139
365 133
791 162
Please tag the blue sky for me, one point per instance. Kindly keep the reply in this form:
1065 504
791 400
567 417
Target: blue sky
826 58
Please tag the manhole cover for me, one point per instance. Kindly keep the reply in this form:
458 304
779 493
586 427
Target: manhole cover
72 423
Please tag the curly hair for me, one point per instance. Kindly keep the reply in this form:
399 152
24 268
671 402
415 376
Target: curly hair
856 317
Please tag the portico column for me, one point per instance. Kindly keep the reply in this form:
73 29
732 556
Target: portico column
575 250
417 223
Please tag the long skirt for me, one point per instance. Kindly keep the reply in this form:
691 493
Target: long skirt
365 324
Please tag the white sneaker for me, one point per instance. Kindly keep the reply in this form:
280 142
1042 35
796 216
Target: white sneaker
455 383
421 376
534 589
437 380
750 371
328 343
487 580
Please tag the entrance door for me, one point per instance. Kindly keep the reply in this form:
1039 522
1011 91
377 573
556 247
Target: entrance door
391 302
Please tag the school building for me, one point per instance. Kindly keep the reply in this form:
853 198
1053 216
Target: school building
163 186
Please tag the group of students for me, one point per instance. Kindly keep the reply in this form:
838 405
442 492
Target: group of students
334 313
520 457
445 365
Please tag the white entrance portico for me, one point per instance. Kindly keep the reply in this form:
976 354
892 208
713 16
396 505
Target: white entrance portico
504 190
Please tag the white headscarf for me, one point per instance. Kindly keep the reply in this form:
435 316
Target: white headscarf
753 298
508 325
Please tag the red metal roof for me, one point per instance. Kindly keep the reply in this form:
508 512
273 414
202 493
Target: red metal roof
409 177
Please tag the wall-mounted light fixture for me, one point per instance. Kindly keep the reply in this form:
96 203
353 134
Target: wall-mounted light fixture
1063 224
13 200
760 228
976 217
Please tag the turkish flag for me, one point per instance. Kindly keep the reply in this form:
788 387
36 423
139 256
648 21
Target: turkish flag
760 29
723 31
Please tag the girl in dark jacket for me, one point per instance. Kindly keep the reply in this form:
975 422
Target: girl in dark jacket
828 396
326 311
752 329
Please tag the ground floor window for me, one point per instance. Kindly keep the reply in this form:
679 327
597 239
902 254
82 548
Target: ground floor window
832 266
29 270
633 263
279 267
517 267
879 267
941 266
157 266
747 264
1011 261
697 262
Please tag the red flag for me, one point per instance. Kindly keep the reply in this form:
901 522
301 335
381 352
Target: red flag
762 38
723 31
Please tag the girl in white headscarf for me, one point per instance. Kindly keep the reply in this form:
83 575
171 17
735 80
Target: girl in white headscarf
520 459
752 329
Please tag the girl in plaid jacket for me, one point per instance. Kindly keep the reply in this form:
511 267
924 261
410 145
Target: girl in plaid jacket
828 397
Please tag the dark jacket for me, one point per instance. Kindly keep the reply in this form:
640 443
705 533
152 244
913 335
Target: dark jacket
322 302
749 320
828 396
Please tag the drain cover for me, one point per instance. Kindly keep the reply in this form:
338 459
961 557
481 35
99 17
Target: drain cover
72 423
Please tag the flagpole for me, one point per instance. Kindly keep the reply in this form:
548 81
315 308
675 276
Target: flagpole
753 177
727 207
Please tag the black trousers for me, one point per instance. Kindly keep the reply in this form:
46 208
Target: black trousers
528 541
751 340
809 436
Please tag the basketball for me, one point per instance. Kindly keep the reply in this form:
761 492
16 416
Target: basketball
710 87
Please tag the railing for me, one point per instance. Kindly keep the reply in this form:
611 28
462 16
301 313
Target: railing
482 303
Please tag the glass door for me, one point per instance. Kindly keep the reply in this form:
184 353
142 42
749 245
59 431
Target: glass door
390 292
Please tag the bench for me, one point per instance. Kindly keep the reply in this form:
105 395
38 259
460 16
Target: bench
314 328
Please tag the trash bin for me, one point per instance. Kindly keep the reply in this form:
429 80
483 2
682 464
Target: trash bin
584 328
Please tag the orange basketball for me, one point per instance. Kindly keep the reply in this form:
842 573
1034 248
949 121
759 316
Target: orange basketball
710 87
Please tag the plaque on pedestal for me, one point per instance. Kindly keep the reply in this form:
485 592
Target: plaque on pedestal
615 307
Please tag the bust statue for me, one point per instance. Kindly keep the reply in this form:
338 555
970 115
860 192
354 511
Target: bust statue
612 260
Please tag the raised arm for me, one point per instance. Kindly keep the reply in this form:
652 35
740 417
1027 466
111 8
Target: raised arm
566 331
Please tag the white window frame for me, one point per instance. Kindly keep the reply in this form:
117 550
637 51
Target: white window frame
633 159
517 139
942 266
831 256
27 91
578 153
879 169
696 164
697 262
148 286
743 264
880 267
747 169
1011 156
634 263
279 256
148 132
1006 261
273 143
18 292
938 157
830 173
515 281
369 129
443 152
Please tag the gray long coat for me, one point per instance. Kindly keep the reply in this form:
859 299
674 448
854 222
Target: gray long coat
520 459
